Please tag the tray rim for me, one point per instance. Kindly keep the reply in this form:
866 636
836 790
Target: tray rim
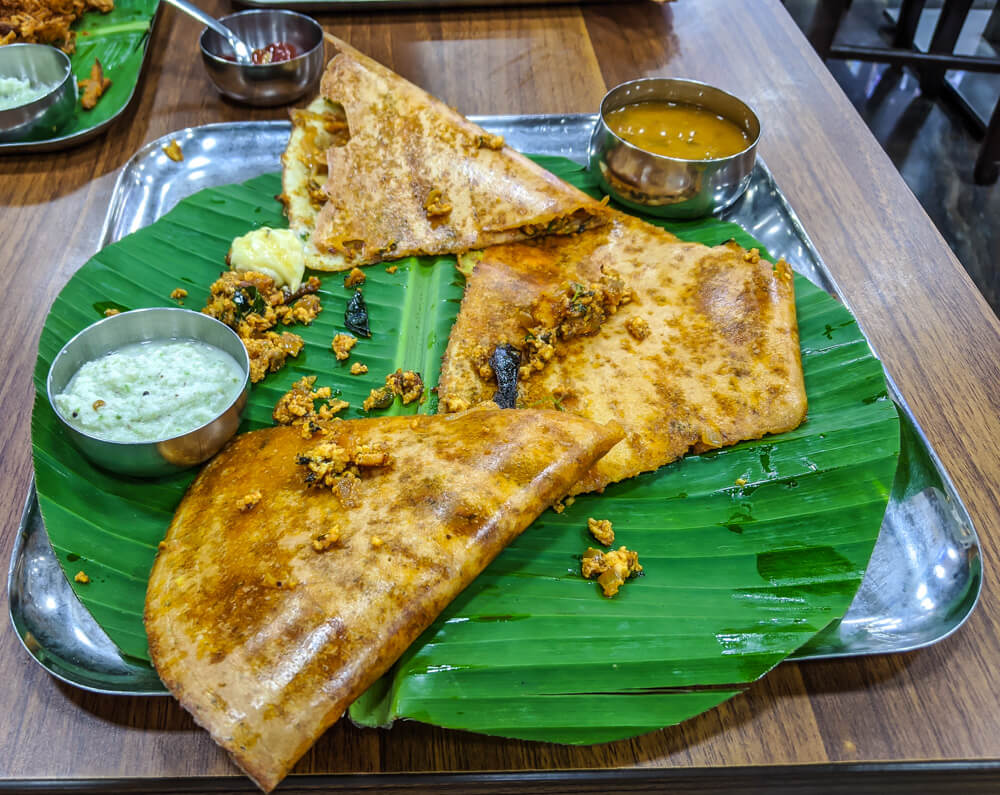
114 212
82 136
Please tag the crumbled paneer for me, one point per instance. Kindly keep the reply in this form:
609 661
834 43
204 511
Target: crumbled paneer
327 462
637 327
380 398
250 304
436 204
249 501
392 269
741 481
573 310
601 530
407 384
342 345
451 404
752 256
358 368
324 541
489 141
354 278
81 577
296 406
173 151
610 568
111 311
179 294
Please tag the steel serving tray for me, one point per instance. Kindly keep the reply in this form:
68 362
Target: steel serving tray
392 5
925 572
79 137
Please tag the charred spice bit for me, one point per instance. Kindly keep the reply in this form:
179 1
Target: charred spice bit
637 327
610 568
94 86
81 577
173 150
358 368
249 501
341 345
296 406
601 530
324 541
392 269
356 315
250 304
354 278
179 294
504 362
111 311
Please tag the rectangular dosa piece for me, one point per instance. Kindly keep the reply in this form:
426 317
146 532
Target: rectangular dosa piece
688 347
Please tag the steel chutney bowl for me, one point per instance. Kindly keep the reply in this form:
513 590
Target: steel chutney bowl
161 456
665 186
268 84
39 64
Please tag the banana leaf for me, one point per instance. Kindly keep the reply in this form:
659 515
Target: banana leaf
748 552
118 39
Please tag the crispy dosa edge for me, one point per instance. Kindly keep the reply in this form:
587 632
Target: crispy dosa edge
590 441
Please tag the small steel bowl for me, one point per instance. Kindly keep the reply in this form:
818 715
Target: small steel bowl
163 456
38 64
664 186
271 84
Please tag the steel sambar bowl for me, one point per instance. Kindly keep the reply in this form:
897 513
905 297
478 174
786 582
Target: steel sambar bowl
664 186
42 117
161 456
270 84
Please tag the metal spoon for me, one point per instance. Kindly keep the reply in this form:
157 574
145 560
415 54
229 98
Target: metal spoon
239 48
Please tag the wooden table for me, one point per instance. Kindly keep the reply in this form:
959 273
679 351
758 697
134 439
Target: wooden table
938 339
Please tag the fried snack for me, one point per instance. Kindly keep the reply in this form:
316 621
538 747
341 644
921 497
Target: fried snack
416 177
704 354
267 623
45 21
94 87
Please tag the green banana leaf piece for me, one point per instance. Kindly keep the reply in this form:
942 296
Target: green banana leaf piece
748 552
118 39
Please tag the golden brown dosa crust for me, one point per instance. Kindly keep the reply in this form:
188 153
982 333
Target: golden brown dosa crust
721 363
264 639
405 144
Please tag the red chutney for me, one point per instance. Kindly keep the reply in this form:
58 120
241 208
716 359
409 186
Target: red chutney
276 52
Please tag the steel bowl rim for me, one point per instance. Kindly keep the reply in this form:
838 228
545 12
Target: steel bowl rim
284 12
68 74
244 364
708 160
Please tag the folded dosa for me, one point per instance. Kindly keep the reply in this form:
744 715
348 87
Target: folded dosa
720 361
272 606
416 177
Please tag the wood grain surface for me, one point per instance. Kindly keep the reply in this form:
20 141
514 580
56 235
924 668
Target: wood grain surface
939 341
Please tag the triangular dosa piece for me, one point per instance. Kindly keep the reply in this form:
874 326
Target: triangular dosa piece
704 353
272 605
416 177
